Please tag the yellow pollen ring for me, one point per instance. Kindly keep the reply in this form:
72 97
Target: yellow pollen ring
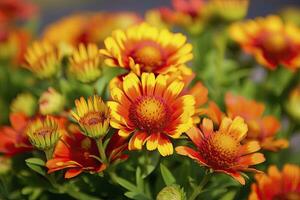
148 56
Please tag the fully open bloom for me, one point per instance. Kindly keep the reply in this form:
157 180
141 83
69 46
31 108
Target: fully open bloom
150 110
261 128
144 48
43 133
88 27
270 41
13 140
43 59
85 63
77 153
92 115
276 185
221 150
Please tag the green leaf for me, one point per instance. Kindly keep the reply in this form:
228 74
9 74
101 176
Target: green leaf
167 175
36 165
139 179
36 161
126 184
229 195
136 196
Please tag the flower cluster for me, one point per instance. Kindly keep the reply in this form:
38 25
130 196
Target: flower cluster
101 96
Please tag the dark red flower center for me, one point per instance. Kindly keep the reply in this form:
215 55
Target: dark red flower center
219 150
288 196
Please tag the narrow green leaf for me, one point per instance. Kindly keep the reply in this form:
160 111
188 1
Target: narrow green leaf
167 175
126 184
139 180
136 196
36 161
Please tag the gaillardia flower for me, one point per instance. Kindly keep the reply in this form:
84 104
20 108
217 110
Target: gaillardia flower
13 140
144 48
51 102
88 27
77 153
151 109
228 9
93 116
85 63
44 133
43 59
276 185
189 14
261 128
222 150
24 103
270 41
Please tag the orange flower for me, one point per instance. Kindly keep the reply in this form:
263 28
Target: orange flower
88 27
144 48
270 41
11 10
13 140
150 110
189 14
77 153
261 128
221 150
275 185
43 59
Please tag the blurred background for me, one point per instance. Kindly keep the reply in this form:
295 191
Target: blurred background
52 10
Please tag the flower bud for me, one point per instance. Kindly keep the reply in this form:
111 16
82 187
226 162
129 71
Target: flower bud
173 192
51 102
86 63
43 59
44 133
24 103
93 116
5 164
293 103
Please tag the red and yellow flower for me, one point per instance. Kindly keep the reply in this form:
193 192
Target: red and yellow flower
151 109
261 128
271 41
144 48
189 14
11 10
44 133
93 116
221 150
88 27
78 153
85 63
43 59
14 140
277 184
51 102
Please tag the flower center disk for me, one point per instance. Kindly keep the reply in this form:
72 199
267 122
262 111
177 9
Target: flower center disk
149 114
148 56
275 42
92 118
220 150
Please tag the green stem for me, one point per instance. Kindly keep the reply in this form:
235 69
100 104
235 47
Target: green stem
200 187
49 153
101 150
